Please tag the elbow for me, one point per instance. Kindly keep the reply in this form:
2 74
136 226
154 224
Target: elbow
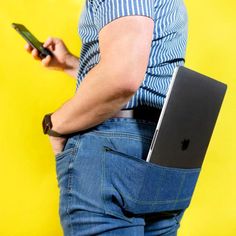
128 85
132 87
122 80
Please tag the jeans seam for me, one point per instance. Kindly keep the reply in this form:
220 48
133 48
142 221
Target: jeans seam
157 202
181 185
108 211
130 120
60 156
69 185
122 135
102 181
68 151
124 155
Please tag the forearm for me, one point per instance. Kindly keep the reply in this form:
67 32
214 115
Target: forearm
72 65
99 96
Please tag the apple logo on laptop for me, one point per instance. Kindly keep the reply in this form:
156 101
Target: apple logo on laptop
185 144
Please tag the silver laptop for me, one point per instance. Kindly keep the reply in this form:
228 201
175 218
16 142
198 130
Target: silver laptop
187 120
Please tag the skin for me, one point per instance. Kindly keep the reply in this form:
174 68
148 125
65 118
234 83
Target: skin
124 52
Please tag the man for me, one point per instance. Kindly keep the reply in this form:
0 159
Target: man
101 135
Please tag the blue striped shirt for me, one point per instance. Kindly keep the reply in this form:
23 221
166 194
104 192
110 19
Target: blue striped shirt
167 49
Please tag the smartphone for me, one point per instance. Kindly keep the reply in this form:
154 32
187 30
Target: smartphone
34 42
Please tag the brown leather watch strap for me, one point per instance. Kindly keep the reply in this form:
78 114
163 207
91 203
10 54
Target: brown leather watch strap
47 126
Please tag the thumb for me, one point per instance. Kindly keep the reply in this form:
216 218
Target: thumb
46 61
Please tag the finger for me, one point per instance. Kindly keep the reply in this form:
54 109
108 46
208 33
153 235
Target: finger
51 47
48 42
52 41
46 61
28 47
35 54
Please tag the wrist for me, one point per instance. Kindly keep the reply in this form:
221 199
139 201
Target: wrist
56 122
49 126
71 63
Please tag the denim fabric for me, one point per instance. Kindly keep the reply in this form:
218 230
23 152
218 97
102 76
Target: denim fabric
107 187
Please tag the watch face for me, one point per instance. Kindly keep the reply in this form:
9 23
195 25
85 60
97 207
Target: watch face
47 124
46 128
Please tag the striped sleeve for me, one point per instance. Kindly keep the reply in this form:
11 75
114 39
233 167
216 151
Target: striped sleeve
106 11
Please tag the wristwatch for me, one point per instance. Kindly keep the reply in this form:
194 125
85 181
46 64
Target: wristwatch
47 126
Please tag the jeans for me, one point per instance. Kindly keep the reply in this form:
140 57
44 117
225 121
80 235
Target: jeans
107 187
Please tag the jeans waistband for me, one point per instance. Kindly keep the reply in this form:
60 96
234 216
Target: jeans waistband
142 112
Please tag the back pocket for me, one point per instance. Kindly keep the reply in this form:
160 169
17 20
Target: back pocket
141 187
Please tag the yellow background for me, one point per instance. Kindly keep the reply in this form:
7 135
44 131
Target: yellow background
29 194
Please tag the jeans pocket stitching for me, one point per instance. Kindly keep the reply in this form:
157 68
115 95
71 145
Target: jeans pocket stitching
61 155
108 149
157 202
106 209
184 201
111 134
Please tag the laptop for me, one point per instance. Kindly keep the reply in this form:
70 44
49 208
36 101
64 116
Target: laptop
187 120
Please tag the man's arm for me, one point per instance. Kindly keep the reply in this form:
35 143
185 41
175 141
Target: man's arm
124 48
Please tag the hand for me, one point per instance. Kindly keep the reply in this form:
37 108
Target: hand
61 58
58 143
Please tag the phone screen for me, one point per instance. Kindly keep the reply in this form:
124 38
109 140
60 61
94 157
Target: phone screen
32 39
29 37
